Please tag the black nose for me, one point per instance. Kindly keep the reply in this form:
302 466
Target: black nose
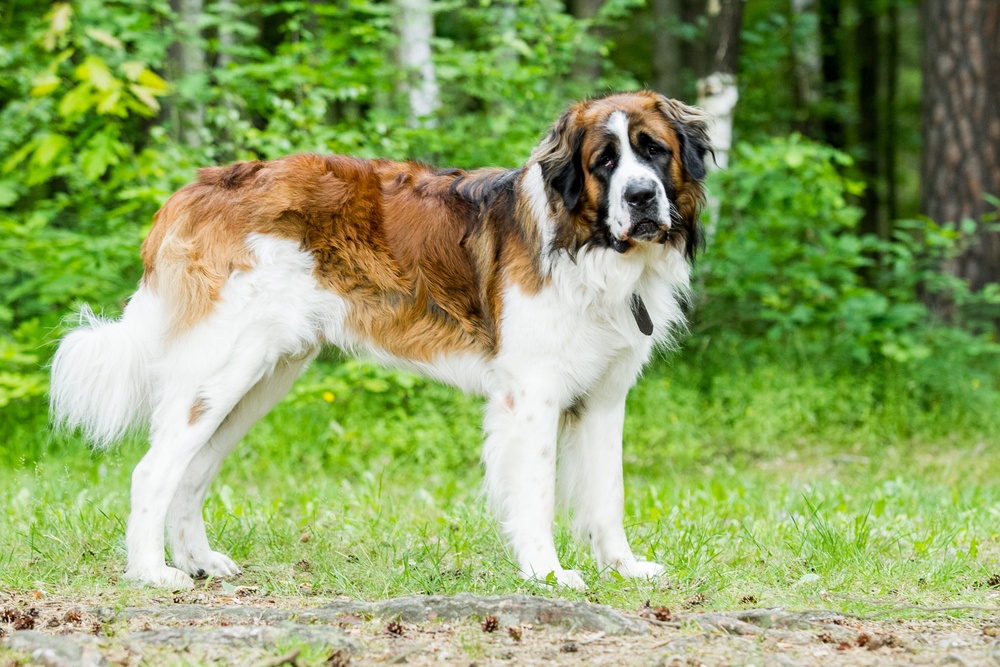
640 194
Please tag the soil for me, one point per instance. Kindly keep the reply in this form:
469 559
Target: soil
240 627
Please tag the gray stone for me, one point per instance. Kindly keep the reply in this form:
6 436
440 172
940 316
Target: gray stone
74 650
245 635
754 621
509 609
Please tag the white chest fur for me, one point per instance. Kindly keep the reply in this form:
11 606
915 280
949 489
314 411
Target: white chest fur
580 327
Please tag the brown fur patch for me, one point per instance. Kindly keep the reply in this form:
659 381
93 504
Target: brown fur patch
197 410
420 261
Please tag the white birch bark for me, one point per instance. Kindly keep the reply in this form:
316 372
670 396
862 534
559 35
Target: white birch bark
415 25
188 58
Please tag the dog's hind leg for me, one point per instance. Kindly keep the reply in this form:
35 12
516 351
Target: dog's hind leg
200 390
185 526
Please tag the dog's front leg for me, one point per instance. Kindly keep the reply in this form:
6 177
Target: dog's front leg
519 453
590 480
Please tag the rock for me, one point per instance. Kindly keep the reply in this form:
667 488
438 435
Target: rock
753 621
246 635
511 610
73 650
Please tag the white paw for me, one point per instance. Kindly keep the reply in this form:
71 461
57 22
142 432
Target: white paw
214 564
640 569
162 577
560 577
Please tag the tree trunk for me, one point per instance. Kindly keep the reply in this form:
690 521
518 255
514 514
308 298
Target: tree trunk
866 45
961 125
227 10
588 9
415 24
891 133
832 70
717 91
667 63
187 59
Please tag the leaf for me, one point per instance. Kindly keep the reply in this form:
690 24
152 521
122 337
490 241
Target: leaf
48 149
105 38
44 83
18 157
145 95
95 71
150 80
100 153
109 103
8 193
77 101
59 20
132 69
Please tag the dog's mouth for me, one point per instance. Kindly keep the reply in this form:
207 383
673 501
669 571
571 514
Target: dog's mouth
646 229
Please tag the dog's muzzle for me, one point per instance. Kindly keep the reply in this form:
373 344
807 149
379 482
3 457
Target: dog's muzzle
644 209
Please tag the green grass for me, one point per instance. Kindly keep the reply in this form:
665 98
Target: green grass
759 486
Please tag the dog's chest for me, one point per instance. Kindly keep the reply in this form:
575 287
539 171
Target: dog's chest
582 326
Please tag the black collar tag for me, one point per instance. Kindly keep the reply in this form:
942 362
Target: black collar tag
641 315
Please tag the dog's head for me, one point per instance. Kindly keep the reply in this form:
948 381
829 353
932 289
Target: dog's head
625 170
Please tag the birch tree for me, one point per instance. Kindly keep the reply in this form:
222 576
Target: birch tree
187 60
415 27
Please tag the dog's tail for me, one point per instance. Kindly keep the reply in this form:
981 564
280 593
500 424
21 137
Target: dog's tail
102 380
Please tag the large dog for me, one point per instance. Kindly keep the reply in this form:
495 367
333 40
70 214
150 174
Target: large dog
543 288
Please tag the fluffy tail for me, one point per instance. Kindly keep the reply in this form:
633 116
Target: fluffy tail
101 379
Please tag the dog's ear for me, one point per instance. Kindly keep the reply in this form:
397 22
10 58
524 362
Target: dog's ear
691 125
559 157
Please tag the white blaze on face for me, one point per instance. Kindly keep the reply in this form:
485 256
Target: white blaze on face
630 171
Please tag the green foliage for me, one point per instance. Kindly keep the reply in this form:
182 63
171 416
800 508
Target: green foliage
89 139
77 185
787 267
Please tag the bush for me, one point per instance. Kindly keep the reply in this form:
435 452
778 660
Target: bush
787 268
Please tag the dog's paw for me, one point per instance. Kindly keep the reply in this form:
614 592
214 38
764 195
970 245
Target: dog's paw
570 579
559 577
640 569
214 564
161 577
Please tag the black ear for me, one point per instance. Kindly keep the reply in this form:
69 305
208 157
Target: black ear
693 150
562 164
568 181
691 125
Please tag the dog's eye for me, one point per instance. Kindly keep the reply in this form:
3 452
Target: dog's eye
655 150
607 162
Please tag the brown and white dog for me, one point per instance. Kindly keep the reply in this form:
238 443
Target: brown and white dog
543 288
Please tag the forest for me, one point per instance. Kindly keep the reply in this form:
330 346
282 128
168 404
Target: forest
853 230
823 436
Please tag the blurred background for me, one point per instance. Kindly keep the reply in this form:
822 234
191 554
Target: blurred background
848 285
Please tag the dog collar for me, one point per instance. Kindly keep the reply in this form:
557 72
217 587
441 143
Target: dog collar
641 315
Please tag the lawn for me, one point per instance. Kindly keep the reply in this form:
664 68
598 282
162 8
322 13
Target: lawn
763 486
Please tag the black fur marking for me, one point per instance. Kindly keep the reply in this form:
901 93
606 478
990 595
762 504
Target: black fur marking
693 152
568 182
641 315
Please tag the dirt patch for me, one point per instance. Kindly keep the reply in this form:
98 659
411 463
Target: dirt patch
244 629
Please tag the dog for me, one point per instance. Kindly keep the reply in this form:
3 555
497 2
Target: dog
543 288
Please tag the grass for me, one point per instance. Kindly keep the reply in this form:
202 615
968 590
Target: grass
756 486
